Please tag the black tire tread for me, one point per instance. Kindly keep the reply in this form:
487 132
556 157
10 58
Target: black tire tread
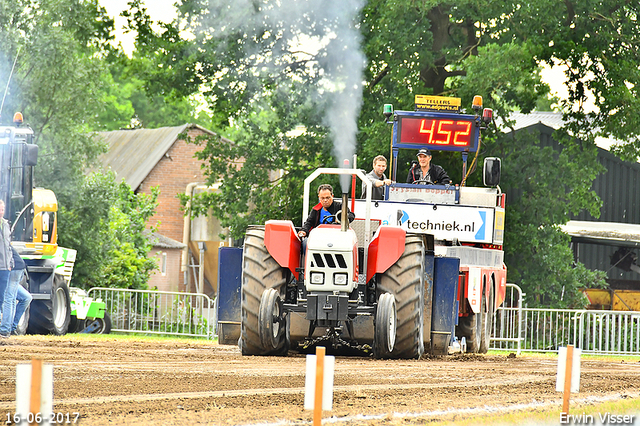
259 272
380 346
75 325
486 323
41 312
467 328
405 281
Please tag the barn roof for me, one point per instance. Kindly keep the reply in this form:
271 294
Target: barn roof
550 119
616 234
132 154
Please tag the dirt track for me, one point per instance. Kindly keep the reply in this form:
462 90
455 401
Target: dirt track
111 380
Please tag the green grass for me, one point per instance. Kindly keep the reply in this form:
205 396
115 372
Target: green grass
551 415
554 355
134 337
155 337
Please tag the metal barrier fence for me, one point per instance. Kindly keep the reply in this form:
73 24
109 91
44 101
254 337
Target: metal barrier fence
611 332
506 330
520 329
514 328
159 312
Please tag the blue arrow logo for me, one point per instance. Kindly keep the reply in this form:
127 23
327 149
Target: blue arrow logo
480 233
402 217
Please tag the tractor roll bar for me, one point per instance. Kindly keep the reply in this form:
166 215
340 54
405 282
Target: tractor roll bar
340 171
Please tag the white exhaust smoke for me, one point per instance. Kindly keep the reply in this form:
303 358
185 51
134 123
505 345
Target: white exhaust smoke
329 28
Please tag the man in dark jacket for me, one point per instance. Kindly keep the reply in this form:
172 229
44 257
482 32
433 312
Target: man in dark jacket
324 211
424 172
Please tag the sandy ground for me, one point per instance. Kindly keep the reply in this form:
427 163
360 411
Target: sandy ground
111 380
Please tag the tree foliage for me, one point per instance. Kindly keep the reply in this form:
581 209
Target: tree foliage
544 187
107 228
274 171
260 91
54 83
63 85
126 103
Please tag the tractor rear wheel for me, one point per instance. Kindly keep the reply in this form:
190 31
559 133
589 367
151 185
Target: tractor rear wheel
260 272
487 319
385 326
52 316
470 327
405 280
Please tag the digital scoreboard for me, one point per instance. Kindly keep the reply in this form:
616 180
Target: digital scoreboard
453 132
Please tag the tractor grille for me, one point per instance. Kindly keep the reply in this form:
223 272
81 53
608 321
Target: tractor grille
328 260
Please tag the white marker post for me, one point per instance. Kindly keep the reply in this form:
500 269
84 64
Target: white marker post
568 377
34 393
318 386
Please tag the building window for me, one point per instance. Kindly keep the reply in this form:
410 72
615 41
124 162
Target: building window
163 266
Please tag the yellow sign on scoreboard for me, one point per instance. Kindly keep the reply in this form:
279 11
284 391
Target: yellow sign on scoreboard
437 103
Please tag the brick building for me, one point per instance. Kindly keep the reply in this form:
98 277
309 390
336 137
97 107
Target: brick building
147 158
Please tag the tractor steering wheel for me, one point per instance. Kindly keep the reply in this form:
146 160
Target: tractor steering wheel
423 181
337 218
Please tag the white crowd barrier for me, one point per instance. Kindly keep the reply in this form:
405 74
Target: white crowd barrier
520 329
159 312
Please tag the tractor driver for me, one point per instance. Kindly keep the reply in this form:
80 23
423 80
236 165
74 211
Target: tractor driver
323 212
426 173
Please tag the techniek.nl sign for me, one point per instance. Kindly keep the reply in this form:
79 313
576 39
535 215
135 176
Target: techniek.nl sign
445 222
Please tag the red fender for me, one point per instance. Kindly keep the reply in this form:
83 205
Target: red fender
385 249
282 243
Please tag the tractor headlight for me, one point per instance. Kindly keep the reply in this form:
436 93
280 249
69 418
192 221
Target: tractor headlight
340 278
317 278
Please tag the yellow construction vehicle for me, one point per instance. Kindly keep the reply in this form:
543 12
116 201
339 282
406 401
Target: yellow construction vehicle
32 213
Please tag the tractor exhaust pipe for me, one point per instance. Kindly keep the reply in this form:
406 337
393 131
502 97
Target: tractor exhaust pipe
344 186
344 215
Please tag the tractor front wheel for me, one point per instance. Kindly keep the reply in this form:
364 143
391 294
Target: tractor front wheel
385 326
271 320
104 324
